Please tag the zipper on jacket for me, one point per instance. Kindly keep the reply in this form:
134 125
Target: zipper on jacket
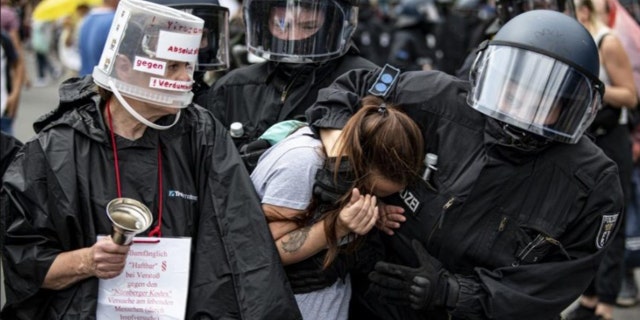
285 90
440 221
444 210
540 239
503 224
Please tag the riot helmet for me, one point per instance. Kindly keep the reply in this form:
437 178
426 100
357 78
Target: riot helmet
149 56
214 46
539 74
300 31
507 9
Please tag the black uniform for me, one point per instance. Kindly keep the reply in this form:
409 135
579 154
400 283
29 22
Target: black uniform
522 230
58 186
260 95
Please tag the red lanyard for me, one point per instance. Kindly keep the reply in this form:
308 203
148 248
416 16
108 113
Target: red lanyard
155 232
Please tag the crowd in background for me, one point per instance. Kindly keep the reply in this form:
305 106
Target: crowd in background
410 34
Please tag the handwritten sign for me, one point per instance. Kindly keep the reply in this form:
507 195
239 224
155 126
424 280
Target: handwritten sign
178 46
171 85
149 65
153 285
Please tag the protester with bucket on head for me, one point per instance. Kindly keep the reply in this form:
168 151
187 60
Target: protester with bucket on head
136 135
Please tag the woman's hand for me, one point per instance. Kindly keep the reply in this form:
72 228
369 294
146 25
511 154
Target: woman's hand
390 218
104 260
359 216
107 259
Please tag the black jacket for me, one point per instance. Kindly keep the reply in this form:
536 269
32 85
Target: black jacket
261 95
60 182
522 231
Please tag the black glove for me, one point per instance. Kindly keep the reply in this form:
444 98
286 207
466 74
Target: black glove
327 187
308 275
251 152
425 287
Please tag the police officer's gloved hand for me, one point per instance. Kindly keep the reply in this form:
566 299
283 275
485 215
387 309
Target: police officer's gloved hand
308 275
305 281
424 287
327 187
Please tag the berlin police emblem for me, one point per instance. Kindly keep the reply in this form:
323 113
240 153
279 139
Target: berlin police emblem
606 229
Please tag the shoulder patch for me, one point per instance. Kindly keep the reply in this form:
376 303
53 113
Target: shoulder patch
606 229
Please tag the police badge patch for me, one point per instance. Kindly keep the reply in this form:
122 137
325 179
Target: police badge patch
606 229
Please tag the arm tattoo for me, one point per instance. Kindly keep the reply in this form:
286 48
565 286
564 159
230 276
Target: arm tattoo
295 240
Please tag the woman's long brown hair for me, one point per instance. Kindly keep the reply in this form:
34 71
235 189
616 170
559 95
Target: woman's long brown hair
382 140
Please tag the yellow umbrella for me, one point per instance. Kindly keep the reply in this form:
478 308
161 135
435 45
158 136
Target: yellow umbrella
48 10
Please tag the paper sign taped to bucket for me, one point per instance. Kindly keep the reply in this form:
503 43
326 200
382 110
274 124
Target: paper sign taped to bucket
153 284
178 46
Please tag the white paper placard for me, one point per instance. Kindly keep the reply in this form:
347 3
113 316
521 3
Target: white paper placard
178 46
153 284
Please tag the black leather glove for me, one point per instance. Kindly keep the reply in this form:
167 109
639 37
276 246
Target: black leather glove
327 187
424 287
308 275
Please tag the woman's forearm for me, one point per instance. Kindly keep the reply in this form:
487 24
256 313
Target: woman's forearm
68 268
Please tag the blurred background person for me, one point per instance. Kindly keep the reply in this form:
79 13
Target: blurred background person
610 129
505 10
413 44
93 35
68 50
42 43
11 80
11 25
373 33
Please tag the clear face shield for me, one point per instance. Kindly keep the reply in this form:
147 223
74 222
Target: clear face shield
214 46
299 31
534 92
150 54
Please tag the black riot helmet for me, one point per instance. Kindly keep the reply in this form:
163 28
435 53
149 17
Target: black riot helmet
507 9
539 74
214 47
300 31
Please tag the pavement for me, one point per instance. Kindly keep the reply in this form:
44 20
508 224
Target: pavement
36 102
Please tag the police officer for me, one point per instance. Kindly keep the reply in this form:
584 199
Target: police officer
415 25
505 11
214 47
515 216
307 45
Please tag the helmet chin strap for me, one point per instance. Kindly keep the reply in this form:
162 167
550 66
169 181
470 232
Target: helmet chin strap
136 114
523 140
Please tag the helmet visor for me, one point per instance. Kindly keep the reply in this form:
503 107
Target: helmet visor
533 92
299 31
214 46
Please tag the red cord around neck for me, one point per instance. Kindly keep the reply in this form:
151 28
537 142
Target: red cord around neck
155 232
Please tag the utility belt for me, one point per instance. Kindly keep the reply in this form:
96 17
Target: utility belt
607 119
